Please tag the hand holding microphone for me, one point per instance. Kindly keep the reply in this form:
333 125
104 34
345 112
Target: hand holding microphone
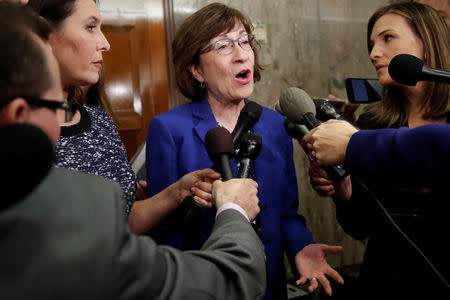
243 192
329 141
300 110
219 145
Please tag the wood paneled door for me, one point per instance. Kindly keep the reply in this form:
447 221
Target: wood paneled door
136 67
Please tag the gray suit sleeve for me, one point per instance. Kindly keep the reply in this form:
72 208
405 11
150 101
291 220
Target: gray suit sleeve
231 265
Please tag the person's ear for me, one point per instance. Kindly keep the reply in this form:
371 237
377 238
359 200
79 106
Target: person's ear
53 39
194 69
15 111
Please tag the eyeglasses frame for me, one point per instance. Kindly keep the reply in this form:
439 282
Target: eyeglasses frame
251 38
68 107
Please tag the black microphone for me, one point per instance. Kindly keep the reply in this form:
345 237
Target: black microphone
326 111
220 147
249 148
26 158
408 69
296 131
248 117
299 108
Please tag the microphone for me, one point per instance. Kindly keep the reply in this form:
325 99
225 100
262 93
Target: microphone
248 117
294 104
249 148
326 111
220 147
296 131
299 109
25 156
408 69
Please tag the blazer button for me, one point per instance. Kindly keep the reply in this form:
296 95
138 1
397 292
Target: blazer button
263 207
268 240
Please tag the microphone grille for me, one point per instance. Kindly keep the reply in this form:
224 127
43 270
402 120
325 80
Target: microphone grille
218 141
251 136
405 69
249 146
294 103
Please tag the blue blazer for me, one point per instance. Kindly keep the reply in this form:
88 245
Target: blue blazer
175 147
420 154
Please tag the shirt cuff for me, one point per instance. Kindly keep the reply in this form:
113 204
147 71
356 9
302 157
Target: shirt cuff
230 205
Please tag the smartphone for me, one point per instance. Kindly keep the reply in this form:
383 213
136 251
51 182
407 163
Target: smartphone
363 90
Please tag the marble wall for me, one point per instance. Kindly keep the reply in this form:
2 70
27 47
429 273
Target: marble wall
314 45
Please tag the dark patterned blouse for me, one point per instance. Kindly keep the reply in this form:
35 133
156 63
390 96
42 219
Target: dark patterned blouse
94 146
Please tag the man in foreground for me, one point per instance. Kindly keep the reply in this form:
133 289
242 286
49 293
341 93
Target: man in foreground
66 238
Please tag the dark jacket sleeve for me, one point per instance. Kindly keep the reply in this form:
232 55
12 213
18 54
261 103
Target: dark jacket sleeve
231 265
420 154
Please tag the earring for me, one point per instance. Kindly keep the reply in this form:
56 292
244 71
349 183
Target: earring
203 86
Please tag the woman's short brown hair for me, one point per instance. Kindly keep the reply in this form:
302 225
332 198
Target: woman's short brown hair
193 35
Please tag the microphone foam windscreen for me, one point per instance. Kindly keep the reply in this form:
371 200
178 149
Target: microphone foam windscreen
252 110
218 141
26 158
405 69
294 103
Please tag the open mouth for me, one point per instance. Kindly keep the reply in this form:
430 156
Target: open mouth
243 74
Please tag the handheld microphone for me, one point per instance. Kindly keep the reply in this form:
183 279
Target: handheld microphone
25 156
408 69
219 144
249 148
295 105
248 117
325 110
299 109
296 131
220 147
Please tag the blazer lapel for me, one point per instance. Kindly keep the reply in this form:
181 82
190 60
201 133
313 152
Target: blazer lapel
203 113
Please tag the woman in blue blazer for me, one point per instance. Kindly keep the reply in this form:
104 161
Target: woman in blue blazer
216 66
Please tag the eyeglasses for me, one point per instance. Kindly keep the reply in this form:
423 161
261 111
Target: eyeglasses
68 107
225 46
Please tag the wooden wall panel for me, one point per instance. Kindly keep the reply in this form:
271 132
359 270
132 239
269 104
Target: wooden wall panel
136 69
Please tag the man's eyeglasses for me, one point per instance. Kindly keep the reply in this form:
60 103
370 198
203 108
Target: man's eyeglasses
68 107
225 46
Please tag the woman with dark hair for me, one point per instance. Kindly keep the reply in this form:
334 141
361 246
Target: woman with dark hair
392 264
216 65
90 142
